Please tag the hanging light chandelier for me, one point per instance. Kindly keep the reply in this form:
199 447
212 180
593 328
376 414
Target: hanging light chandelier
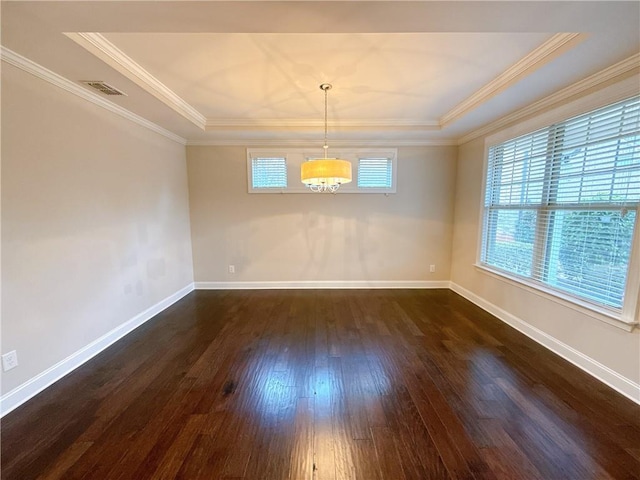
325 174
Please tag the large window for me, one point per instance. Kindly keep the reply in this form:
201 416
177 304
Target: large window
561 205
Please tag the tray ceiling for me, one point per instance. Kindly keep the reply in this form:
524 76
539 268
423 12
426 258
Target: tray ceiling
247 71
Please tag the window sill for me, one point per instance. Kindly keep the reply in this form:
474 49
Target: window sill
586 308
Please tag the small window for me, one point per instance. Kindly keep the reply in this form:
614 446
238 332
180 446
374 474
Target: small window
268 172
375 173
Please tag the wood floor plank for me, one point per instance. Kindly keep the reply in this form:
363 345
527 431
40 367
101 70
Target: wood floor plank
302 464
324 463
71 455
386 447
177 452
324 385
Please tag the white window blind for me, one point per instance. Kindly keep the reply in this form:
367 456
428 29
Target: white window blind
375 173
269 172
561 204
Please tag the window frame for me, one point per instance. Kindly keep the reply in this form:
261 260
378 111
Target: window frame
626 317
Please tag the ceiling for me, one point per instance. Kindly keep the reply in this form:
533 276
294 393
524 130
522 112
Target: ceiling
248 72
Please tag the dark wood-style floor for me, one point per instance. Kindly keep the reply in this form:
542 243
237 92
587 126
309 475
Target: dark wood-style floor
379 384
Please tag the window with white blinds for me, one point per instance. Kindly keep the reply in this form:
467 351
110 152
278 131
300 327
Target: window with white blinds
561 204
268 172
375 173
277 170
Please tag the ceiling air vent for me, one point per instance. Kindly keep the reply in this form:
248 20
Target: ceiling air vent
103 87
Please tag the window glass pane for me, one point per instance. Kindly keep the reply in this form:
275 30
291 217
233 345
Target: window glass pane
589 253
511 234
375 173
604 173
269 172
517 170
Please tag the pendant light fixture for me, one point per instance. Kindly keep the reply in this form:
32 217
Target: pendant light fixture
325 174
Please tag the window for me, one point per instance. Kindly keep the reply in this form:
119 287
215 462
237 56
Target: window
268 172
277 170
375 173
561 205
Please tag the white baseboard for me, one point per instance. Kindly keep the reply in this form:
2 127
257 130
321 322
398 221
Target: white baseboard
32 387
321 284
625 386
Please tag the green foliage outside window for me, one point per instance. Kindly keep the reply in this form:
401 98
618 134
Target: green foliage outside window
592 239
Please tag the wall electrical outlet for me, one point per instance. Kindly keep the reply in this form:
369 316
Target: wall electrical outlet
432 268
232 269
9 360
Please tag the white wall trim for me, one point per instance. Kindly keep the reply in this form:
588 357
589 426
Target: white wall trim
321 284
578 88
16 397
29 66
537 58
338 143
259 123
102 48
621 384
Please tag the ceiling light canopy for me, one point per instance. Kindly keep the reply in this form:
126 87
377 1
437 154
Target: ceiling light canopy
325 174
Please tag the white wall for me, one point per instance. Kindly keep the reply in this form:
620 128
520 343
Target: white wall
95 222
321 237
607 351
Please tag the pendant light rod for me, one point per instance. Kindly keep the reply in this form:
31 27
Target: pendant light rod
325 87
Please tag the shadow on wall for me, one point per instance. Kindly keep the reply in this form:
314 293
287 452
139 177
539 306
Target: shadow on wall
331 245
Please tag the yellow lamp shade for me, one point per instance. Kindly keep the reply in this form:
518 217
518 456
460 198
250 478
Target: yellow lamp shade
325 172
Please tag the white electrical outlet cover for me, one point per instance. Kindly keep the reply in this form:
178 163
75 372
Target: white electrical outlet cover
9 360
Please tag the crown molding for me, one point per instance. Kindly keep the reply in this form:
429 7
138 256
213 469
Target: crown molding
274 142
578 88
116 58
608 74
29 66
43 73
525 66
100 46
387 123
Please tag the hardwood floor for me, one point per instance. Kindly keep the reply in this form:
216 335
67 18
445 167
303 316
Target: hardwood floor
326 385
